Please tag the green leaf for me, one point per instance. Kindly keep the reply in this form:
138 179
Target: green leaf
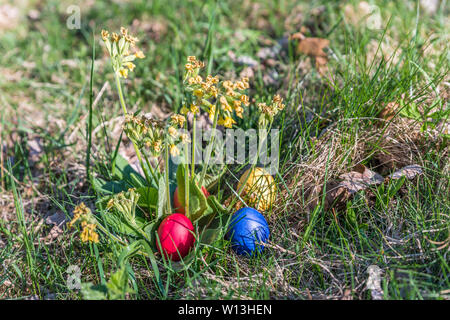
120 225
213 224
89 291
198 204
148 197
138 247
209 236
104 187
395 187
118 285
183 265
124 172
162 197
180 183
216 205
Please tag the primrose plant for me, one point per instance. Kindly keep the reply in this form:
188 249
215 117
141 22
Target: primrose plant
130 207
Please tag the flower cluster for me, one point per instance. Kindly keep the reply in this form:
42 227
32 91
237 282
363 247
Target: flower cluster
125 203
174 136
119 46
145 132
88 223
209 92
268 112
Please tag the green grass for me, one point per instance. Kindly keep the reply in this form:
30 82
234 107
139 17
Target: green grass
320 253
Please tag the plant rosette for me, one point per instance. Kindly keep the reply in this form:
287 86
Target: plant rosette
177 204
176 236
248 231
258 188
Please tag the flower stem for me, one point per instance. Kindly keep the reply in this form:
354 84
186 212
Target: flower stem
186 178
167 178
209 147
125 112
193 149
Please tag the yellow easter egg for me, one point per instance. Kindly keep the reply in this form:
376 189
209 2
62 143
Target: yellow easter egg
259 190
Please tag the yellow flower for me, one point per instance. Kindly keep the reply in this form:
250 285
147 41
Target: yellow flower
189 67
239 85
130 65
213 91
212 112
227 84
185 138
123 31
173 132
198 93
199 64
174 151
245 100
132 40
157 145
194 109
230 93
105 35
224 103
178 119
115 37
191 59
139 54
205 86
245 82
277 99
227 122
239 111
123 72
212 80
191 81
184 110
88 233
110 204
269 110
80 211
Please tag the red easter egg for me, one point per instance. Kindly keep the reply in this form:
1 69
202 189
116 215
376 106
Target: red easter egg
177 204
176 233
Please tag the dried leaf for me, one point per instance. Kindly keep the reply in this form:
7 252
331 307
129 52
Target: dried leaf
359 180
54 233
409 172
247 72
321 65
389 111
347 294
313 47
36 149
9 17
58 219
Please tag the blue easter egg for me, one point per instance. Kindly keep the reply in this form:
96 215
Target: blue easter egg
247 228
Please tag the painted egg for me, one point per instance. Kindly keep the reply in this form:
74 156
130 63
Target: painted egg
178 207
176 234
248 228
259 190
